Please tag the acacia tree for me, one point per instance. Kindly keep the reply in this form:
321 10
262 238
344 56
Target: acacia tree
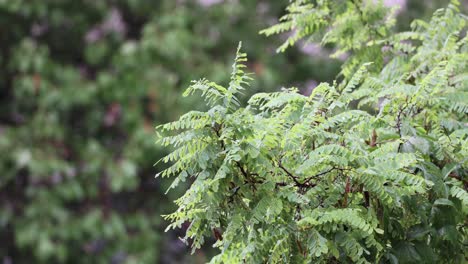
369 169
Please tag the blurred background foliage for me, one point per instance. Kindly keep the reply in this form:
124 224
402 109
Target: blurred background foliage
83 83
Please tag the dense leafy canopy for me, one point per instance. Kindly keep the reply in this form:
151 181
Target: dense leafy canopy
371 168
82 83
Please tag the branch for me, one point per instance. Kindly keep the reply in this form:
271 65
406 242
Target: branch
294 178
306 183
398 124
216 130
319 174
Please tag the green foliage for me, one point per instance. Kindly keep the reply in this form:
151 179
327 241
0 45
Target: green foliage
82 83
352 26
369 169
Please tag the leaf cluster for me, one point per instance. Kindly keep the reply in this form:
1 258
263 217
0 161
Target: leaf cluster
369 169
